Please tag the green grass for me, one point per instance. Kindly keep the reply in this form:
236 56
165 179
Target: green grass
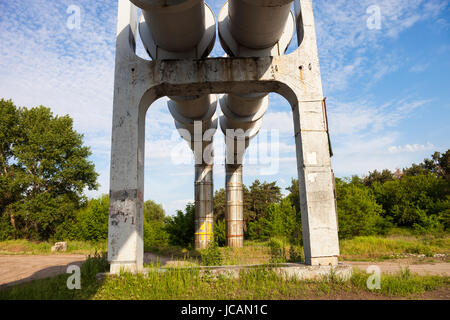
21 247
368 248
177 283
402 284
377 247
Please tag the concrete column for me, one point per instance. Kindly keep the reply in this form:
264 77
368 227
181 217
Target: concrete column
319 218
204 220
125 233
320 237
234 214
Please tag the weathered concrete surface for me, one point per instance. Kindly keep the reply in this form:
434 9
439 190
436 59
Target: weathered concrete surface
138 83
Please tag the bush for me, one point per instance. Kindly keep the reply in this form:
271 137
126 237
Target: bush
281 221
155 234
358 212
411 200
220 236
181 227
277 250
211 256
296 254
92 220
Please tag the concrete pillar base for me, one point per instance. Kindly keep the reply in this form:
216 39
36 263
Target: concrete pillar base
297 271
117 267
322 261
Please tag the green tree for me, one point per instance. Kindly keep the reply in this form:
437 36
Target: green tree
92 220
294 194
414 200
181 227
376 176
45 169
280 221
258 198
155 234
10 173
153 211
358 212
219 204
439 165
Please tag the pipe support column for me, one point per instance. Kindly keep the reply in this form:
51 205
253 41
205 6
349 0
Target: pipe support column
234 213
204 220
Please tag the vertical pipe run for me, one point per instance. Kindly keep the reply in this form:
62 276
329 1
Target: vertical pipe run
204 220
258 25
184 27
234 213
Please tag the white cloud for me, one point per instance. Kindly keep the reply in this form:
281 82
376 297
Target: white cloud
411 148
363 116
419 67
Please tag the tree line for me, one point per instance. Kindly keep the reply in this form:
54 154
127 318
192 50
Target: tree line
45 168
417 198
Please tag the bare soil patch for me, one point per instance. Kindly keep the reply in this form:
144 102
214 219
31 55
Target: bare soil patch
394 266
15 269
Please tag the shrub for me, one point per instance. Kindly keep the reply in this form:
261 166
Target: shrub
92 220
277 250
220 233
155 234
411 199
181 227
358 212
211 256
281 221
296 254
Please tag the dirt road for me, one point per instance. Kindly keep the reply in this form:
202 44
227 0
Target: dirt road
15 269
431 269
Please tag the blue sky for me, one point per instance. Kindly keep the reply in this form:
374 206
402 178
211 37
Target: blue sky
387 90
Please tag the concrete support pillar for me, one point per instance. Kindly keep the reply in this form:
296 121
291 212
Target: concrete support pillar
125 232
234 214
319 220
204 219
319 217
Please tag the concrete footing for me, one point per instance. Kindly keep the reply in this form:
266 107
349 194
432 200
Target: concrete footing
297 271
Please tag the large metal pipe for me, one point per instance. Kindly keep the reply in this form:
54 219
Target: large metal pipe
185 29
258 24
178 27
248 28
